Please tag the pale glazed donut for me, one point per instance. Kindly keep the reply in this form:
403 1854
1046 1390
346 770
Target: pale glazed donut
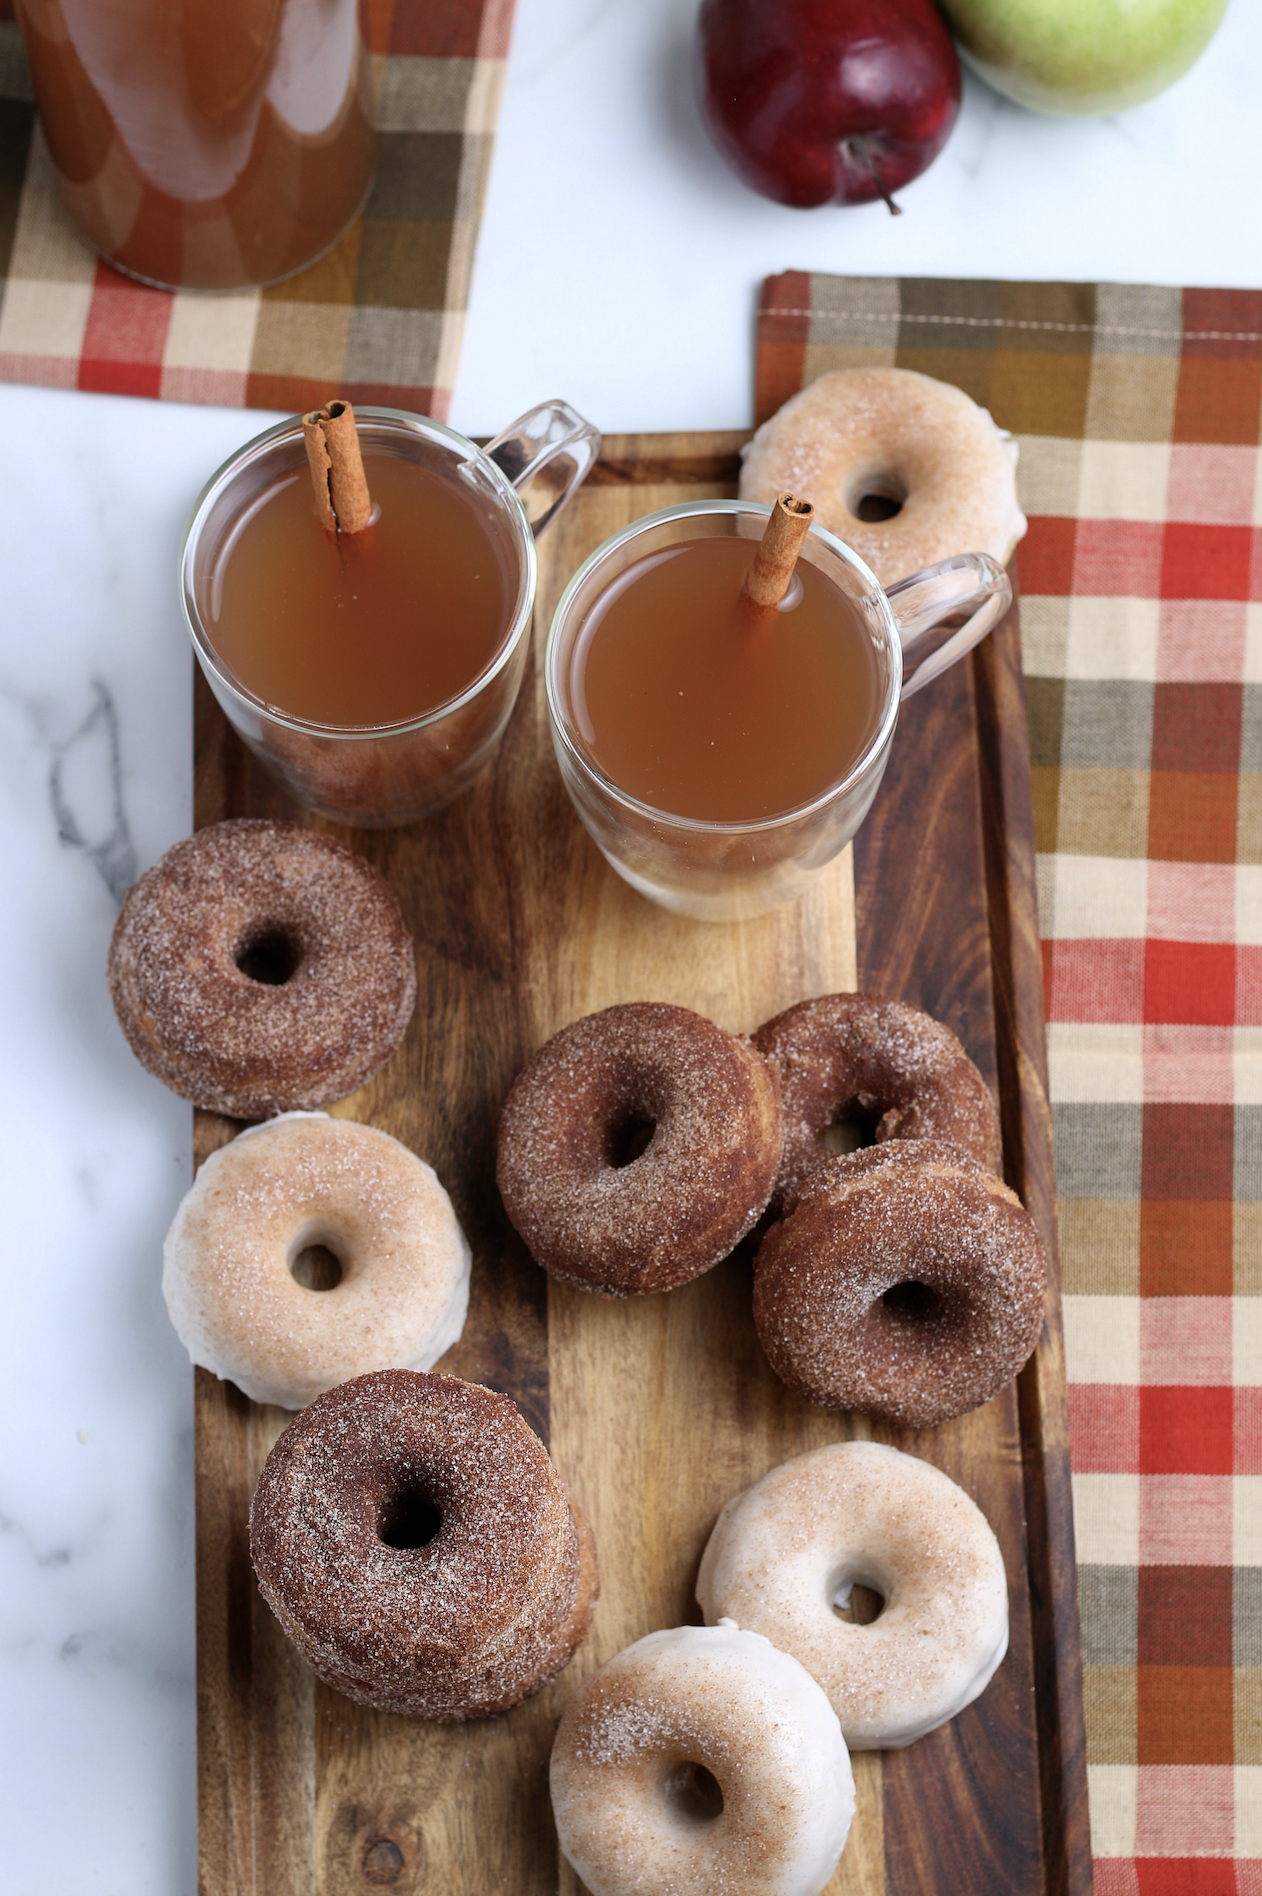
903 1280
414 1540
907 437
302 1180
633 1815
786 1550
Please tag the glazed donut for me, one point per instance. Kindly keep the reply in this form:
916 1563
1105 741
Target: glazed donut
260 967
788 1551
848 1054
257 1209
414 1540
906 438
594 1215
904 1280
702 1760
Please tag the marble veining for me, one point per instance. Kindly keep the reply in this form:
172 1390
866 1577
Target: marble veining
96 1519
85 782
92 747
42 1557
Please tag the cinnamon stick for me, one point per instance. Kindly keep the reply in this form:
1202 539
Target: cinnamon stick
337 468
771 574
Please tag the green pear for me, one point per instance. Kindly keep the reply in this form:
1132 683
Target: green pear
1082 57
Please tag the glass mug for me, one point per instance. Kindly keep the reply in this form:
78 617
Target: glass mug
209 144
377 776
721 871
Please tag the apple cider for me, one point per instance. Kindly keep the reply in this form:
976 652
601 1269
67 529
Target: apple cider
691 701
366 629
208 144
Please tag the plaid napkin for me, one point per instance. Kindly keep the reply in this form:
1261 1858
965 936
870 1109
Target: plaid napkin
1138 412
379 319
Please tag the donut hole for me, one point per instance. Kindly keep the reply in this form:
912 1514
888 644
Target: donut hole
629 1138
849 1130
270 956
409 1518
875 497
694 1793
858 1603
913 1302
316 1267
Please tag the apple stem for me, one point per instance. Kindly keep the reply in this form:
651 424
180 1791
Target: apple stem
862 153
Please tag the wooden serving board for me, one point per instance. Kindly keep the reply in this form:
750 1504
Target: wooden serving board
658 1409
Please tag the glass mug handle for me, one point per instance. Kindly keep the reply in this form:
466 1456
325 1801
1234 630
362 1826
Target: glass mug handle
533 451
970 583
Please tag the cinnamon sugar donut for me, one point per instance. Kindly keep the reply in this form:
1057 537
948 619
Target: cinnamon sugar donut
904 1280
590 1209
261 966
786 1553
258 1208
413 1538
906 438
700 1761
845 1055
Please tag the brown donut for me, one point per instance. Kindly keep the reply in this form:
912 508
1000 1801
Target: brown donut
413 1538
261 967
850 1055
589 1210
904 1280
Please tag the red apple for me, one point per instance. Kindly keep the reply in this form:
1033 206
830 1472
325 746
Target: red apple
827 101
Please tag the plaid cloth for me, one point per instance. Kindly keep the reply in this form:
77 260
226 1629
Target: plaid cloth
379 319
1138 412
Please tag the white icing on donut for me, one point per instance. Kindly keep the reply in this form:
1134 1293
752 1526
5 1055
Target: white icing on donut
903 435
728 1701
306 1179
789 1549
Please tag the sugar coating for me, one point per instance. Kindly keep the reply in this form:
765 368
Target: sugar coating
911 1211
492 1607
847 1054
300 1180
688 1199
859 1513
239 1046
855 429
719 1697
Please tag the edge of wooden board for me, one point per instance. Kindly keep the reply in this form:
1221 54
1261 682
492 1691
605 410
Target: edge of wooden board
1017 975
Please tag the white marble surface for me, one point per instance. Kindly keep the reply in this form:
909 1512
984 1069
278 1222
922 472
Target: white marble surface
620 259
619 266
96 1578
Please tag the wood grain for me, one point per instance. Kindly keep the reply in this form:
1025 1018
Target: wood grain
657 1409
1017 975
924 936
